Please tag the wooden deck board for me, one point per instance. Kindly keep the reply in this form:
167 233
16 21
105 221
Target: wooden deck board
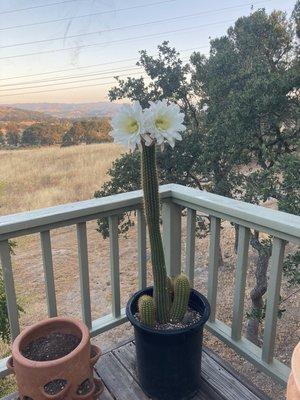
116 368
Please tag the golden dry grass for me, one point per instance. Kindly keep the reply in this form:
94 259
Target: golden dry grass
42 177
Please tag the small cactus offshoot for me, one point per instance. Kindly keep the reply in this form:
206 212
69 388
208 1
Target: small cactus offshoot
170 286
146 310
181 298
179 292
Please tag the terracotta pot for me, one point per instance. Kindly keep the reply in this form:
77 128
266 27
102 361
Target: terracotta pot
74 368
293 388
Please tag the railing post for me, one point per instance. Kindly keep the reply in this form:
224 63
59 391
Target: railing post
240 282
84 273
48 273
171 214
213 265
190 245
9 286
142 251
114 265
273 293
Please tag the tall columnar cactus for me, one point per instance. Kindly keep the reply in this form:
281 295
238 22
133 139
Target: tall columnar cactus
156 125
146 310
152 209
181 298
170 286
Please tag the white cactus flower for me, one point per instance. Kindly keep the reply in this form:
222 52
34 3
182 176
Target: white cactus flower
164 121
128 126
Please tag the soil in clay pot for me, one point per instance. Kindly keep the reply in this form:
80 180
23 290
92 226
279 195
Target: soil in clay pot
84 388
51 347
55 386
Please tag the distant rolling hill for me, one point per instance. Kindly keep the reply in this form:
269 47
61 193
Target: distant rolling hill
13 114
71 110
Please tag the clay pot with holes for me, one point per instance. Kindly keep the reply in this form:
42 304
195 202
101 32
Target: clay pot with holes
68 374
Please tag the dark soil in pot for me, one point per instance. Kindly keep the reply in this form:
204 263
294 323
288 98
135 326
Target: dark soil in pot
84 388
50 347
169 360
55 386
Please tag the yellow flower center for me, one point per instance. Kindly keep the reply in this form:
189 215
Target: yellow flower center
162 123
131 126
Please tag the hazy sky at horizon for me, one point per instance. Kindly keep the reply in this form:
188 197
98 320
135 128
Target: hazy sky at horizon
108 49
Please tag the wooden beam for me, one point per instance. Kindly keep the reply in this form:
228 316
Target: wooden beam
84 274
114 265
190 245
9 286
213 265
273 293
240 282
48 273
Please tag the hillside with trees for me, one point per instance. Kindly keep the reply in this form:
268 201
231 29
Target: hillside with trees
72 111
8 114
19 128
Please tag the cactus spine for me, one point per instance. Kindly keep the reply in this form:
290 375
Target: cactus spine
181 298
152 210
146 310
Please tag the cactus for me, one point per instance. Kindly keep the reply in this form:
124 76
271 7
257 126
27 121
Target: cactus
181 298
170 299
152 209
170 286
146 310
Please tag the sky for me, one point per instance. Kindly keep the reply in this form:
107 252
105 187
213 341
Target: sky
74 59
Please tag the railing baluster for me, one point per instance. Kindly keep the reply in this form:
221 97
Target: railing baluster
10 292
142 251
48 272
240 282
213 264
171 214
190 245
273 293
114 265
84 273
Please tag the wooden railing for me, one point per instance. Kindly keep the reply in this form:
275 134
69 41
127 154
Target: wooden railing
281 226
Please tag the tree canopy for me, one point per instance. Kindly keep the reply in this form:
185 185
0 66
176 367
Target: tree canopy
241 108
242 115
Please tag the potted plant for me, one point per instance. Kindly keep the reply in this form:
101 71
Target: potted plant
168 319
54 359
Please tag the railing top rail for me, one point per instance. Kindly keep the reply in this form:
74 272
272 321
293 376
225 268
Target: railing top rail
250 214
15 223
233 210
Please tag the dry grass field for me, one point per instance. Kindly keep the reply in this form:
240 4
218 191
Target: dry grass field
42 177
49 176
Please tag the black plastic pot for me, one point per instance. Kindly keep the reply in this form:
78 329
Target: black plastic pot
169 361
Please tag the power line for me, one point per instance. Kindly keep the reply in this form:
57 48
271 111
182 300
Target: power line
89 15
66 83
71 77
55 90
86 66
38 6
102 31
159 21
95 76
76 87
114 41
69 69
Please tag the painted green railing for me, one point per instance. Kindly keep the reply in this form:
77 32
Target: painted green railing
283 227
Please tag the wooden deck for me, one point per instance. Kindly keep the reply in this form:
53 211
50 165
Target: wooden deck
116 368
